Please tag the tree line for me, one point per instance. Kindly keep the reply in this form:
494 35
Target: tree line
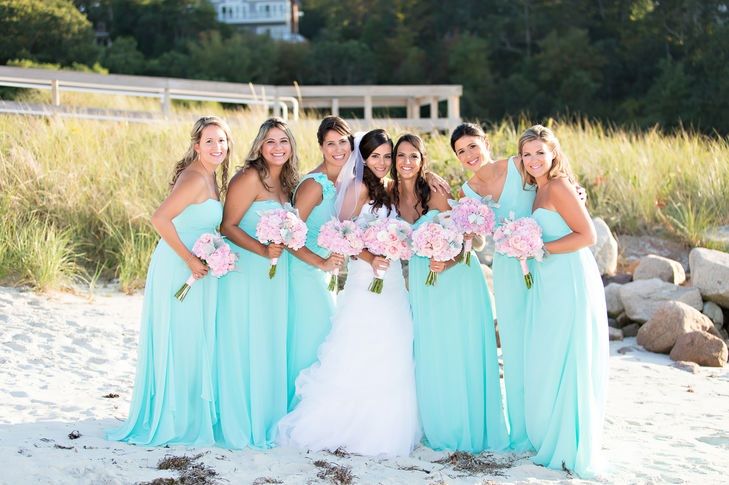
639 63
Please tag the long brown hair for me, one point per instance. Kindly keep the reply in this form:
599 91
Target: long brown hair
422 189
289 176
191 155
560 164
468 129
376 189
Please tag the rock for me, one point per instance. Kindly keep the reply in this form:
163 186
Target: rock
613 323
665 269
605 249
619 278
715 314
632 248
612 299
623 320
486 253
710 274
691 367
641 298
615 333
631 330
701 348
671 320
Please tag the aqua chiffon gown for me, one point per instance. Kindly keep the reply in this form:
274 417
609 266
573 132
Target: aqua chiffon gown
173 397
510 296
566 356
251 345
456 364
311 304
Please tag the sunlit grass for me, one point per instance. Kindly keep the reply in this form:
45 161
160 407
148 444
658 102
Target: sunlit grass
76 195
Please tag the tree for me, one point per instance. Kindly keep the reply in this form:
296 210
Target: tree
45 31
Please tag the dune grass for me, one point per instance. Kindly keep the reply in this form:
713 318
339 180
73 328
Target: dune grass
76 195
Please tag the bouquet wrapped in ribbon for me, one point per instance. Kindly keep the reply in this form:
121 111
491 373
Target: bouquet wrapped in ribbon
472 216
520 238
340 237
281 226
217 256
389 238
440 240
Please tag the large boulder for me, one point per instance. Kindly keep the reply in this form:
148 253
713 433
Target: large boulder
715 314
632 248
665 269
671 320
701 348
710 274
612 300
641 298
615 334
631 330
605 249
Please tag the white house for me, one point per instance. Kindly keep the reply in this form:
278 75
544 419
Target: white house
277 18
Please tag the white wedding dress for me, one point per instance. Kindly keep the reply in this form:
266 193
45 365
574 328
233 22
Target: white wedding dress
360 395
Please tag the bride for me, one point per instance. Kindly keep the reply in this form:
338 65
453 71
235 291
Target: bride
360 395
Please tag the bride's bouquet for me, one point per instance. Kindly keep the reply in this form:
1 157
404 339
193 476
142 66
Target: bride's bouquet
340 237
386 237
216 255
440 240
520 238
281 226
472 216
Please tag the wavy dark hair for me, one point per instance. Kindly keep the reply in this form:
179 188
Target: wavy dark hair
289 176
468 129
376 189
422 189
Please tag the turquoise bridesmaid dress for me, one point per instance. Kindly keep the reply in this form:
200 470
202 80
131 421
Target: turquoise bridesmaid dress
456 366
251 345
311 304
510 295
173 394
566 356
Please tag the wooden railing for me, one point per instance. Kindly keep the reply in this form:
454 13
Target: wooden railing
284 101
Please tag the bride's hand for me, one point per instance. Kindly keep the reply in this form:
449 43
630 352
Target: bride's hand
380 263
334 261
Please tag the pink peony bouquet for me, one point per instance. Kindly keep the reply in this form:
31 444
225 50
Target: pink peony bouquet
386 237
216 255
520 238
281 226
440 240
472 216
340 237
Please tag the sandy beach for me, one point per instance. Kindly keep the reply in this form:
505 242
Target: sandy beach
64 357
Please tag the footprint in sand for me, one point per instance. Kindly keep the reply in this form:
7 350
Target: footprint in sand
15 346
21 337
97 361
720 440
3 318
18 393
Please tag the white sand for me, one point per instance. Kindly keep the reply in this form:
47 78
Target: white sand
60 354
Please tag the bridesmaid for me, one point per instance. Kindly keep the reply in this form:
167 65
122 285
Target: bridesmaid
253 309
173 394
566 347
502 181
311 305
456 366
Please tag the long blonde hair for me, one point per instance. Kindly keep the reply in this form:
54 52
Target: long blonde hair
191 155
560 163
289 176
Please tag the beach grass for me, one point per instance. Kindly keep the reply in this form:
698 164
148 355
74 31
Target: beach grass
76 195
